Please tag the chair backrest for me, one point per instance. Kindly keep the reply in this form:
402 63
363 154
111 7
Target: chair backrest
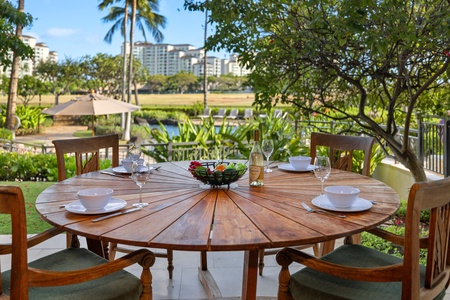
341 149
222 112
233 113
87 153
432 196
248 112
277 113
12 203
207 111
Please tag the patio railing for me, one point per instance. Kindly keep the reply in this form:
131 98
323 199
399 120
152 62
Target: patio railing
430 142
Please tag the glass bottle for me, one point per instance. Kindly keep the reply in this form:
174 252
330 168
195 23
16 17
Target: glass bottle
256 163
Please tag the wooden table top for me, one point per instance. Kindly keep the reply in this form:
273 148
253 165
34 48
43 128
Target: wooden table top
183 216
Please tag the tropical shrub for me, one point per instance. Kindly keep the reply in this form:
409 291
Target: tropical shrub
286 140
5 134
189 132
158 115
27 167
30 118
36 167
375 242
227 136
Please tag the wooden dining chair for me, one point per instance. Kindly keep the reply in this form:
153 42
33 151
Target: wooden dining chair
87 153
340 150
72 273
358 272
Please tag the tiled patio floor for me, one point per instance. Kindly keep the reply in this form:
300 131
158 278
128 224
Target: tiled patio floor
226 268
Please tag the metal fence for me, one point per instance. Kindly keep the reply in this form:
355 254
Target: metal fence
430 141
160 151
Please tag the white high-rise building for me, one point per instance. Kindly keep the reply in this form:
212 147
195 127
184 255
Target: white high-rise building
41 53
168 60
232 67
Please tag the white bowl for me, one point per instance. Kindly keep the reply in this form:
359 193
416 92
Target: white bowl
342 196
300 163
127 163
95 198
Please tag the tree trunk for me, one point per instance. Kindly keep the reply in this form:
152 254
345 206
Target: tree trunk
405 155
130 70
205 64
14 80
124 66
130 59
136 100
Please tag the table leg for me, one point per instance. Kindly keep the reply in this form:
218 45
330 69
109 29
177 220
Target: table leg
97 247
327 247
250 276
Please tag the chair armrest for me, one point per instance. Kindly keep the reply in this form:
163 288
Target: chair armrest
144 257
395 238
379 274
388 236
32 241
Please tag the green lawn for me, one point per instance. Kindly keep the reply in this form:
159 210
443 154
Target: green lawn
30 190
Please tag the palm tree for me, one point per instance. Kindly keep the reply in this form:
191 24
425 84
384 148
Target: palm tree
108 39
143 16
143 12
14 79
205 63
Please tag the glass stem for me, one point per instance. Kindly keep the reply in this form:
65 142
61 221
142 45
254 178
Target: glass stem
322 180
140 194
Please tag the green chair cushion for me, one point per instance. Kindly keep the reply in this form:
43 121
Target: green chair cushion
120 285
311 284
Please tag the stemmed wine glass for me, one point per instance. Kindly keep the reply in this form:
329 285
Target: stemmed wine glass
267 149
140 175
134 152
322 169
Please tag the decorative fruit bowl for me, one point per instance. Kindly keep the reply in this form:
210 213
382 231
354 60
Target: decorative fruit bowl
217 174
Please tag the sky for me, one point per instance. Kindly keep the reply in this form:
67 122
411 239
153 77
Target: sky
74 28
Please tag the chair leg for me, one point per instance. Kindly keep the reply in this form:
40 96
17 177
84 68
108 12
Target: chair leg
72 241
146 279
261 261
170 263
203 261
112 251
353 239
316 250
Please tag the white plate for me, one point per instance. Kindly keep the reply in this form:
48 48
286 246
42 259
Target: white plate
289 167
359 205
122 170
113 205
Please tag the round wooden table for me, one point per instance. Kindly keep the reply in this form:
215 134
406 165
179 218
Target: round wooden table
183 216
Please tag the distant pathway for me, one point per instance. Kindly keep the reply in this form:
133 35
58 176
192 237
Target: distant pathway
51 133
